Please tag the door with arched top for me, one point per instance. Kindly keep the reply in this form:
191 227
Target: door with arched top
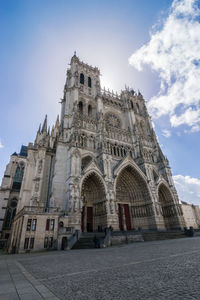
94 210
134 200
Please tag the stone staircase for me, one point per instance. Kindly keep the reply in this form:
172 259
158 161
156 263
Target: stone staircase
162 235
86 240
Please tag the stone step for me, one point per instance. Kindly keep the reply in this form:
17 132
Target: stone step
86 240
152 236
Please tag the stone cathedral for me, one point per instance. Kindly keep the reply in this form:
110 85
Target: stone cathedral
100 165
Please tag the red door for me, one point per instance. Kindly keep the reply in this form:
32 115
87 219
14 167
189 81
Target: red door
82 219
120 217
89 219
127 217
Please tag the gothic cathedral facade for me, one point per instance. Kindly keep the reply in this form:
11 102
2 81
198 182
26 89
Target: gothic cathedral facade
101 165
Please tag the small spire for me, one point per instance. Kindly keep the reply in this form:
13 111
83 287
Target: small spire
49 130
74 53
57 121
39 129
44 127
52 130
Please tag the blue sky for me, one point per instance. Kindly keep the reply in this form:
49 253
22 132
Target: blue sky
125 39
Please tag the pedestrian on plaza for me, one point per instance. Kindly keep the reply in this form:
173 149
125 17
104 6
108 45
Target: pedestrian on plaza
111 228
96 242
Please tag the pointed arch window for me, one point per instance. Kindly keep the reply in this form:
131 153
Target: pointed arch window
89 110
8 218
89 82
131 104
82 78
80 107
19 173
137 108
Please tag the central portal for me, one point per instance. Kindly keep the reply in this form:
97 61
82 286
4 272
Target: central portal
133 200
94 211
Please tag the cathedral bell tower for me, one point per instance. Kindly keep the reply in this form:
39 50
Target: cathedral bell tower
80 102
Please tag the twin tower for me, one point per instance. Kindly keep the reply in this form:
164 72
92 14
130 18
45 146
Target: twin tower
99 166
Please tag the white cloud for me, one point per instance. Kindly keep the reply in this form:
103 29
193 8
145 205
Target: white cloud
188 188
190 117
1 145
166 133
174 52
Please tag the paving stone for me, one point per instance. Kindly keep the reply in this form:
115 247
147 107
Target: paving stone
11 296
151 270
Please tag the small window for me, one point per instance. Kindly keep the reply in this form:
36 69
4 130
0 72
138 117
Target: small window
80 107
13 213
61 224
132 104
89 82
89 110
31 246
52 224
47 224
8 218
114 150
46 242
34 223
82 78
14 203
51 242
26 242
28 226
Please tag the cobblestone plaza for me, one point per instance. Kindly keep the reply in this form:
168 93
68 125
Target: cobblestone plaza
152 270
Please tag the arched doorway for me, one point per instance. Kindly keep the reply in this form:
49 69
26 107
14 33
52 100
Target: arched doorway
134 201
64 243
94 208
168 207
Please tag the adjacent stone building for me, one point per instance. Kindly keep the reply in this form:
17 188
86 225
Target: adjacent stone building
191 214
100 165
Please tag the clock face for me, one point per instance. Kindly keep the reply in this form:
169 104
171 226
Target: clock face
113 120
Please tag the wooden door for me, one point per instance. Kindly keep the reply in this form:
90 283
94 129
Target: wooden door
120 217
89 219
127 217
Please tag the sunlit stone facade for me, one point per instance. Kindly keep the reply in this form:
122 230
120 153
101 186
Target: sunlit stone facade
100 165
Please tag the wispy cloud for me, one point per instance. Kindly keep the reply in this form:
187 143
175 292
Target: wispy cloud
188 188
166 133
174 52
1 145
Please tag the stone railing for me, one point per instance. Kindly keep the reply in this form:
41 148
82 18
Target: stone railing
118 134
36 209
71 241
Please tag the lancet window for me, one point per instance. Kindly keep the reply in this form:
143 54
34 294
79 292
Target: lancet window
89 110
18 176
89 82
82 78
80 107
